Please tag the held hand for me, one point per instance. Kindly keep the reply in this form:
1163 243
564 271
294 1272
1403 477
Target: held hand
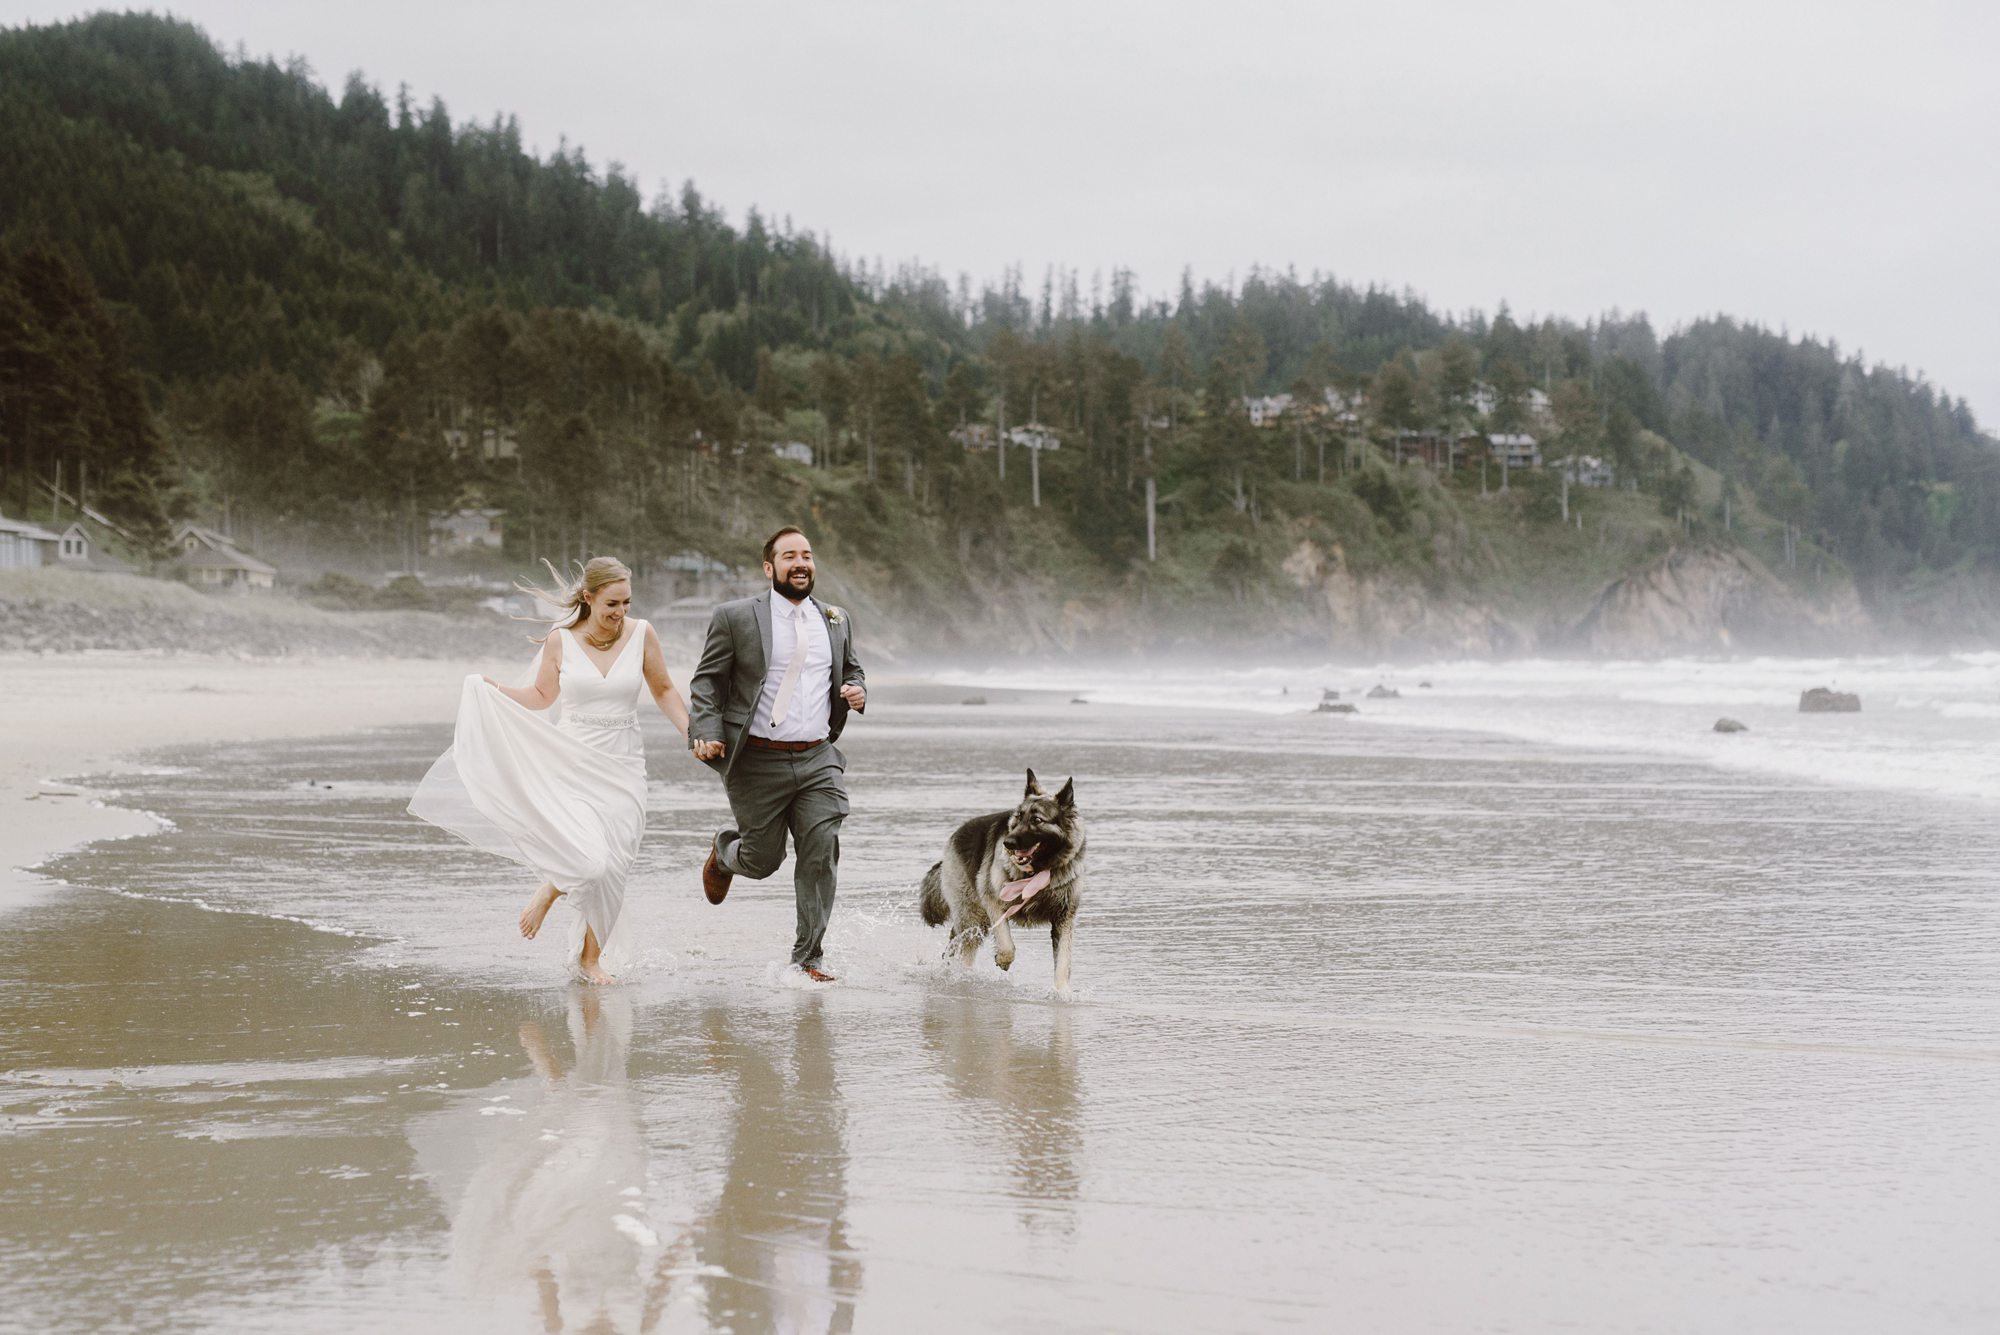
708 750
857 699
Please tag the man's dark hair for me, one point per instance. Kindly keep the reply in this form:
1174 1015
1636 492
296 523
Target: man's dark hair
771 543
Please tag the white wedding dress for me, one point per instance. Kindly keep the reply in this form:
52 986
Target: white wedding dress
565 796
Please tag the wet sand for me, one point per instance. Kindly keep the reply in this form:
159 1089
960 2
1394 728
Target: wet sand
1372 1031
65 715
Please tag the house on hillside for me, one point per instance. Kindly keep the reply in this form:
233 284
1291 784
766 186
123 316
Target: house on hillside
1535 403
467 528
684 620
1586 470
211 560
24 546
697 575
1435 448
1267 409
494 443
78 549
1034 436
1345 409
1514 449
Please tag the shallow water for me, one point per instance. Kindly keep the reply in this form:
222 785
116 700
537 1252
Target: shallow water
1401 1030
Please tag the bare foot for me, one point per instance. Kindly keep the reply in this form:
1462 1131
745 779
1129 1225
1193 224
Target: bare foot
587 963
538 909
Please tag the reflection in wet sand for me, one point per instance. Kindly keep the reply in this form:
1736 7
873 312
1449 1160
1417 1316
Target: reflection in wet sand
544 1179
776 1239
1019 1094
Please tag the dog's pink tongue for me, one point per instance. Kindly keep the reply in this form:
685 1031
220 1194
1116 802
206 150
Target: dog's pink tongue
1018 893
1025 890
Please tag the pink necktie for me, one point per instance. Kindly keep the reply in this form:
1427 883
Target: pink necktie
782 705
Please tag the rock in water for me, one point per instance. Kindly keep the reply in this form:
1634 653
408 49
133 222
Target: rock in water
1383 693
1730 725
1334 707
1819 700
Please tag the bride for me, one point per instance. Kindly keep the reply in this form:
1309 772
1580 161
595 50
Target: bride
567 799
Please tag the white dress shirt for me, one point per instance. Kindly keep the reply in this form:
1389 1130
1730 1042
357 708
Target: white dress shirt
810 710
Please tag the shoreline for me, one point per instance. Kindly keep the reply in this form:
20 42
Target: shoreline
66 716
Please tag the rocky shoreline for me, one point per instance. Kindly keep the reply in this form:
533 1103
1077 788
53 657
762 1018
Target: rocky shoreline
1694 600
65 612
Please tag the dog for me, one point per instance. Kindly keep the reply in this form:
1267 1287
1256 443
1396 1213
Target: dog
1026 863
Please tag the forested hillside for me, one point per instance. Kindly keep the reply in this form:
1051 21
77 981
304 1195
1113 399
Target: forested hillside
321 320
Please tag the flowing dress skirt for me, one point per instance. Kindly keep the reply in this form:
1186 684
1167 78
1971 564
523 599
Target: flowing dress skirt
568 801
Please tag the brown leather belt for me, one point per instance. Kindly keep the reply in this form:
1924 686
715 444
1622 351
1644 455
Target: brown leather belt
767 744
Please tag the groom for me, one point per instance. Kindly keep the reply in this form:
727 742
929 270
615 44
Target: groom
776 680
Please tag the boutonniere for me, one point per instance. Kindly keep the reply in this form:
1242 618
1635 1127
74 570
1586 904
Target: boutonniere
834 616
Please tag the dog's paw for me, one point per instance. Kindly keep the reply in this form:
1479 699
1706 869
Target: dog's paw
1005 961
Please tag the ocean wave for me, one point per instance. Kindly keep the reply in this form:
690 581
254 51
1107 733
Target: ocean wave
1927 726
236 910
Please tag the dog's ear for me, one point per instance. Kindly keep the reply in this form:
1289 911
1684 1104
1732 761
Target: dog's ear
1034 787
1067 797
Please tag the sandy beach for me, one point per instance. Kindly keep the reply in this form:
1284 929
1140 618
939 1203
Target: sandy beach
1389 1030
62 715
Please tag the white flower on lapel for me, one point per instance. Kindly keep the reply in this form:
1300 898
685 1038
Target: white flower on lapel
834 616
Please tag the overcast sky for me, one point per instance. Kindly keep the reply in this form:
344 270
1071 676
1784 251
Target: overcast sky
1824 167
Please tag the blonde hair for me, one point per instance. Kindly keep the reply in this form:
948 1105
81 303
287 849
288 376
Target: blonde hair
571 597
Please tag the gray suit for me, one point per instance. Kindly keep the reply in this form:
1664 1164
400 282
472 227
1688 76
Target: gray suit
774 792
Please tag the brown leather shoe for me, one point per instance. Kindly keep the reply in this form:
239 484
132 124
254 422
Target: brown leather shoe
714 880
818 975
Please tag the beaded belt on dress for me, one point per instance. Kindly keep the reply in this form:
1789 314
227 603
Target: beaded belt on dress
603 720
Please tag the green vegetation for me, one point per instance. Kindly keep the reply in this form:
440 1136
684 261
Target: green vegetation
320 322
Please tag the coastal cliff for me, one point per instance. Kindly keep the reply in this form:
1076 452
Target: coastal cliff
1712 600
1313 603
1690 600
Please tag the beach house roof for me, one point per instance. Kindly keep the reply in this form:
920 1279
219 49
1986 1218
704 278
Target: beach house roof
23 528
77 549
227 560
205 548
25 544
212 560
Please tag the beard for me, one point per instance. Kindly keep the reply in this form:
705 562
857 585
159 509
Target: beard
793 592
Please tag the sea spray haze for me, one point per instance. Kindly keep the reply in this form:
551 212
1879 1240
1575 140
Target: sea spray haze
1928 724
